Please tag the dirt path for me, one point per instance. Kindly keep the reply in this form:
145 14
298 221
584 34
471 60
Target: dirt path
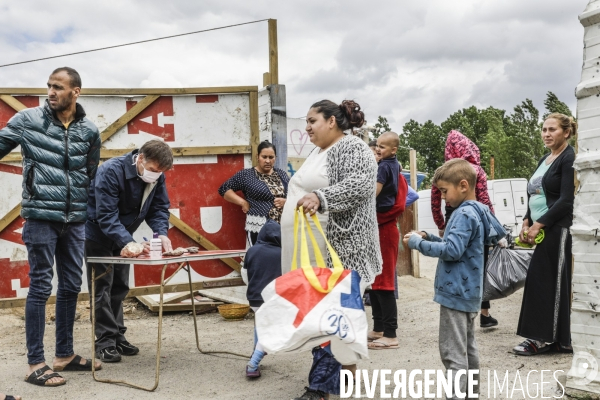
186 374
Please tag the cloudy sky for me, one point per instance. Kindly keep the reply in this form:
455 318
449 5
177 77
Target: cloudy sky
403 59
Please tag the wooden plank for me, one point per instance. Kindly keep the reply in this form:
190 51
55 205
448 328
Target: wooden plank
201 151
171 306
10 217
220 297
185 151
404 260
106 154
137 92
176 298
12 102
16 211
254 127
12 157
273 53
201 240
128 116
139 291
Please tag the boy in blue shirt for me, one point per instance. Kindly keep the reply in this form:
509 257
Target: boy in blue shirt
459 274
383 302
387 171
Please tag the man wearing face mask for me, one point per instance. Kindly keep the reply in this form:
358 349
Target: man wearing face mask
126 191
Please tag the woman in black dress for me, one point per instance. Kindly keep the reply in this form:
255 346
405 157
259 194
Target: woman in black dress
546 308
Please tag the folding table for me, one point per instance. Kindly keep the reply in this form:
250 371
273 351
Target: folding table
141 261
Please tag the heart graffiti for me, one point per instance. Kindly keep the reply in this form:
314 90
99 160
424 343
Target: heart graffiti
298 139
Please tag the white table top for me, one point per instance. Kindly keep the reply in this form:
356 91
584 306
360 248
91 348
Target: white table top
146 260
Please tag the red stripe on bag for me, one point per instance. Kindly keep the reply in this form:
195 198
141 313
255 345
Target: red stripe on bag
294 287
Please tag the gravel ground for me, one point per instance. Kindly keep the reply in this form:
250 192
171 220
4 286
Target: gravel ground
187 374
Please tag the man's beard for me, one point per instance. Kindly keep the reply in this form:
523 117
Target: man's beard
63 104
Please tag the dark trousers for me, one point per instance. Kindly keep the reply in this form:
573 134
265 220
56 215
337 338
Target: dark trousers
324 373
385 312
45 241
111 290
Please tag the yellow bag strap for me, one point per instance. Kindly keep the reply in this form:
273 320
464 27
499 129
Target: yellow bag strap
304 254
338 269
335 260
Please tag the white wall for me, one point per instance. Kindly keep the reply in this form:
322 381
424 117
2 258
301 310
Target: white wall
585 315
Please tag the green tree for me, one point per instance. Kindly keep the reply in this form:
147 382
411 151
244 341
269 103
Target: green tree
553 104
471 122
495 144
428 140
381 126
512 138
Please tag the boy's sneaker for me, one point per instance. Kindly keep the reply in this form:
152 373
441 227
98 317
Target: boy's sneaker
108 355
252 373
487 322
313 395
127 349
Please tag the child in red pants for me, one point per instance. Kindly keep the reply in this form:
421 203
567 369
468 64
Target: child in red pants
391 200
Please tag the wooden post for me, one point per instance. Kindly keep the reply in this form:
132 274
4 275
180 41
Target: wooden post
492 167
254 126
273 53
266 79
413 183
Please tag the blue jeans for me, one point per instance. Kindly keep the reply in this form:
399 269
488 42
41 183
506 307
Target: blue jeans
46 240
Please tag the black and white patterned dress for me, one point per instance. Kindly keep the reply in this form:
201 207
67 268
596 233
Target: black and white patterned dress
260 191
349 201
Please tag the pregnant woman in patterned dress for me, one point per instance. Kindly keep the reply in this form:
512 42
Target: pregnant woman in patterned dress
264 188
338 182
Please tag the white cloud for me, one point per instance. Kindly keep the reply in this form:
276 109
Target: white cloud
160 79
401 59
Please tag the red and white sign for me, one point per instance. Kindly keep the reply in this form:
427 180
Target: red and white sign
182 121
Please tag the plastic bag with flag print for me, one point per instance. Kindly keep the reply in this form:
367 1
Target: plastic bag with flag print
309 306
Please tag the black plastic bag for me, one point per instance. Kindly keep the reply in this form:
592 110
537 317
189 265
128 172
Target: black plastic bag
506 271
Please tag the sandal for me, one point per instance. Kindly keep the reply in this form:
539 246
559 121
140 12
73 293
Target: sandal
9 397
381 345
531 347
371 337
38 378
75 365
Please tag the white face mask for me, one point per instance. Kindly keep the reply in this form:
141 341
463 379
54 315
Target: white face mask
148 176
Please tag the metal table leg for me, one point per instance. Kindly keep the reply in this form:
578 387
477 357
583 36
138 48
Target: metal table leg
183 265
158 343
189 271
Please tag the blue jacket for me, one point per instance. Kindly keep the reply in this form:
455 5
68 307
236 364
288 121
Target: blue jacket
263 262
459 274
114 203
58 162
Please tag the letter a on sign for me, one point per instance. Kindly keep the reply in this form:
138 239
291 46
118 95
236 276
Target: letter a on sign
156 119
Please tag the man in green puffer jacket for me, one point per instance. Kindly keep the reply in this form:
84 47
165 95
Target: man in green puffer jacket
61 150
